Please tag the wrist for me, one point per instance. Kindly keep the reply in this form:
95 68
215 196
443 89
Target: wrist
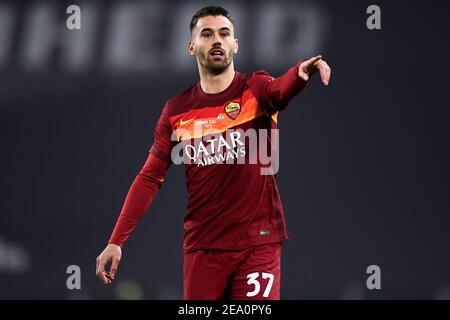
115 245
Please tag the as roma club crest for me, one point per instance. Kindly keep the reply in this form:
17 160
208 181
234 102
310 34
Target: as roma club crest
233 109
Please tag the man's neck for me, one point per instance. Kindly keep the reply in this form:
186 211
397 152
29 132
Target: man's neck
215 83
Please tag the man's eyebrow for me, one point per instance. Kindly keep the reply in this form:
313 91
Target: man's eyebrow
206 29
210 29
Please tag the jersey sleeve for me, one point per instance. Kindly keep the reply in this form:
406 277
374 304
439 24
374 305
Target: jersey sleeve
274 94
139 198
147 182
162 143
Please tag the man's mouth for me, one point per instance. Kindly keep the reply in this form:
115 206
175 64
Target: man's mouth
217 52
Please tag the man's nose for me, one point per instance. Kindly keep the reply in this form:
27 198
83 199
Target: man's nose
217 44
216 40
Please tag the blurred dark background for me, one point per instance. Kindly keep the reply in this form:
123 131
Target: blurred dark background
364 172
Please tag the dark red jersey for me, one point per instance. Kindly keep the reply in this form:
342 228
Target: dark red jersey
232 204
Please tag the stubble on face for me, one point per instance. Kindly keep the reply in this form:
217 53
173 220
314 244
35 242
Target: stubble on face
214 64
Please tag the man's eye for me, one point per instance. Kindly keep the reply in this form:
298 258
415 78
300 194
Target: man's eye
225 34
207 35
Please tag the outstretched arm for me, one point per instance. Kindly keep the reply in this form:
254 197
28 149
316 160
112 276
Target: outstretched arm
281 90
137 202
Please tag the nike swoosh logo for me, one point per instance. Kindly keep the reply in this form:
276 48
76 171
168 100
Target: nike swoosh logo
184 122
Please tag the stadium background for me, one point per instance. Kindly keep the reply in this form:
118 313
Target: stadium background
364 162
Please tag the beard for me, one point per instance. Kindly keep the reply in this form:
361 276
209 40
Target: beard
215 66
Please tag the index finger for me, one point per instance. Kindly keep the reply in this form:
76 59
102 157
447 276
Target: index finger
314 59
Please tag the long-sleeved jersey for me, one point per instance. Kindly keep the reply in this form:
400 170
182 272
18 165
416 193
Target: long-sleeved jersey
232 205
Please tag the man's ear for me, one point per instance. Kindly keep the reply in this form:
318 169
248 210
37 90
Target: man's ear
190 48
236 46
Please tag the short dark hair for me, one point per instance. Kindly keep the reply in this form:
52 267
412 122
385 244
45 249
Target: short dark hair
209 11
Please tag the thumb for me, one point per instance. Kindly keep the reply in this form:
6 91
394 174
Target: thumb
303 74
